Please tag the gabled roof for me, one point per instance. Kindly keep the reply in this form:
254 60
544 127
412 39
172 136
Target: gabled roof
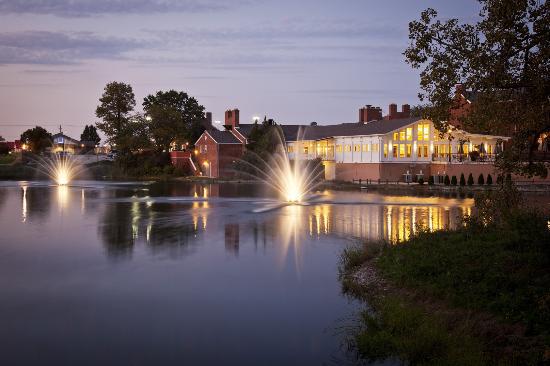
223 137
350 129
66 139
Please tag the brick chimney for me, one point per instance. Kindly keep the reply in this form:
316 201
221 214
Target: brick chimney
392 114
406 110
232 118
207 122
369 113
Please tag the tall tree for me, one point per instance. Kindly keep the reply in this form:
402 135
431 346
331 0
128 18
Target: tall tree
137 134
116 105
37 139
90 135
174 117
504 58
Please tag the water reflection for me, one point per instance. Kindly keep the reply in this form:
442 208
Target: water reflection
393 223
35 202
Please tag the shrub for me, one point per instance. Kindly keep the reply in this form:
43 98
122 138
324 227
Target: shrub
500 179
489 180
470 180
421 181
453 180
447 181
431 180
480 180
462 180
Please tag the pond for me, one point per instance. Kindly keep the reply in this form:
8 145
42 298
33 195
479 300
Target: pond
178 273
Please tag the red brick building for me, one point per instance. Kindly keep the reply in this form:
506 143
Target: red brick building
216 151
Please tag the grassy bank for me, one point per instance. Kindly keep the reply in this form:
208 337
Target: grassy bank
473 296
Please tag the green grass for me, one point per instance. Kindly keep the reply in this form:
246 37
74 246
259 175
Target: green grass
410 333
500 269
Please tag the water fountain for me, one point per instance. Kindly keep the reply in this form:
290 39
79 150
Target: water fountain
60 168
293 179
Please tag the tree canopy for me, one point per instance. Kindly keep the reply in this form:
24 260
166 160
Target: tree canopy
174 116
37 139
90 135
116 105
504 58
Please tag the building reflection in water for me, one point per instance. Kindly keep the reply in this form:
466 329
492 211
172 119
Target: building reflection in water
393 223
35 202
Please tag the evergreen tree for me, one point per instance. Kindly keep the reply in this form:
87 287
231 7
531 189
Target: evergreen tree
447 181
453 180
480 180
489 180
462 180
470 180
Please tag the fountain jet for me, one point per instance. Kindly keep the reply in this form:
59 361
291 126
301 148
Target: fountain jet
292 179
60 168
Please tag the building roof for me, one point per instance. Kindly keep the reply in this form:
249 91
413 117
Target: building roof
380 127
65 139
223 137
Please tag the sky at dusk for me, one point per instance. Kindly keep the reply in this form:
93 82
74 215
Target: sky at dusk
294 61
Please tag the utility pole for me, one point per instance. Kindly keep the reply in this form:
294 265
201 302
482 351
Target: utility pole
62 139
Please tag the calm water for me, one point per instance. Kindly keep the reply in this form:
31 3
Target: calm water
159 274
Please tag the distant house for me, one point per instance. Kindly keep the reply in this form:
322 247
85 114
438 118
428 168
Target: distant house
13 146
64 143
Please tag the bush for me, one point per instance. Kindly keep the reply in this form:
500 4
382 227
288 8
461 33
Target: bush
500 179
453 180
447 181
421 181
480 180
462 180
470 180
431 180
489 180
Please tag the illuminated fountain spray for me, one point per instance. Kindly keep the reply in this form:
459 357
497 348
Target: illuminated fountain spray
293 179
61 169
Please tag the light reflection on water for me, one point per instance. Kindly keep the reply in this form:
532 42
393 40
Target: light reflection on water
198 255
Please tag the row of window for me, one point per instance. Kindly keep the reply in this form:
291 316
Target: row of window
405 151
422 133
358 148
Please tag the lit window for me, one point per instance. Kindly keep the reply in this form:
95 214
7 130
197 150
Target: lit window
420 133
409 133
402 151
366 147
425 148
426 132
357 148
409 150
347 148
375 147
339 148
385 150
394 150
306 150
395 136
402 135
290 149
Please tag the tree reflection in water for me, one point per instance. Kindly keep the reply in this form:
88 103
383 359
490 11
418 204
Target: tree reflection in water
163 227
